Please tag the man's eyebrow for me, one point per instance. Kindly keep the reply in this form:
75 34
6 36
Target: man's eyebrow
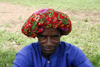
42 35
54 35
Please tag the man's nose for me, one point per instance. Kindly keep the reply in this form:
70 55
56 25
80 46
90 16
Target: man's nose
49 41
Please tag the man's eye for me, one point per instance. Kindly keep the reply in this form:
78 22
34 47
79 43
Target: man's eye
55 36
43 37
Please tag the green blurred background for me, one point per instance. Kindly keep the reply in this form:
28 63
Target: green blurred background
84 14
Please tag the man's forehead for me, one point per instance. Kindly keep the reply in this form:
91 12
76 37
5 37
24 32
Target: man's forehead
51 31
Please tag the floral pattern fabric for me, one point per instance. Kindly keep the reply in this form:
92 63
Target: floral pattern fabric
46 18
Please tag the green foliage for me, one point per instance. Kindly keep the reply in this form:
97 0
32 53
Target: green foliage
7 57
18 38
59 4
86 20
8 49
96 60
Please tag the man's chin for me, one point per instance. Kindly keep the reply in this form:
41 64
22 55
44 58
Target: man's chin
49 52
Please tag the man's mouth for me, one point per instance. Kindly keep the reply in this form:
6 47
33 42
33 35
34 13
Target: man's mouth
48 49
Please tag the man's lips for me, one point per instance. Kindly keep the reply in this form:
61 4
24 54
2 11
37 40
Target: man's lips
48 49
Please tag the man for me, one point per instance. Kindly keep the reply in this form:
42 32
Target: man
48 26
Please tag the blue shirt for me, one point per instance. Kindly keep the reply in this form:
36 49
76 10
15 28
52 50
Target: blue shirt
66 55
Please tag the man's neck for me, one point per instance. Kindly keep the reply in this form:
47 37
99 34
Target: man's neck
47 56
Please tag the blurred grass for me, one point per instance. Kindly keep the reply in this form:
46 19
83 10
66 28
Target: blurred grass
6 57
10 44
84 35
59 4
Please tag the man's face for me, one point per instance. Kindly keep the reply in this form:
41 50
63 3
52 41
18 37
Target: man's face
49 40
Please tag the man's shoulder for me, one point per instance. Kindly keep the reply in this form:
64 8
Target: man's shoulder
29 48
69 48
68 45
32 46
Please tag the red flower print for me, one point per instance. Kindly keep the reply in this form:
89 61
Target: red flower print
55 19
62 25
37 18
33 35
55 26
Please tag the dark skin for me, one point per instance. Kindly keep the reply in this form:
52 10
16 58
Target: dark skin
49 40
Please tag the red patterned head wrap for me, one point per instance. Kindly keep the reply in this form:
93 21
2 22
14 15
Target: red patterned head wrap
46 18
